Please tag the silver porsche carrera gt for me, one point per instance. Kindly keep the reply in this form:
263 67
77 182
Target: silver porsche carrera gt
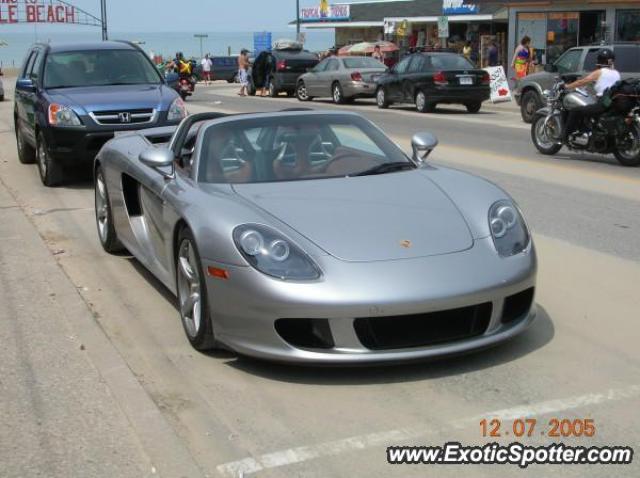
308 236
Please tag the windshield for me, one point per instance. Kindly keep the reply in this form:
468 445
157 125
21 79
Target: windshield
362 62
98 68
294 148
450 62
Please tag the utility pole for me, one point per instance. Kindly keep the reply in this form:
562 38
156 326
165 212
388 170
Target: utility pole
201 36
297 18
103 11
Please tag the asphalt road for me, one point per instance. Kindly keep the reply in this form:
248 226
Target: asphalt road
180 413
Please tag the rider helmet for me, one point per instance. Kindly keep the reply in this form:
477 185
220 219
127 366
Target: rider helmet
605 57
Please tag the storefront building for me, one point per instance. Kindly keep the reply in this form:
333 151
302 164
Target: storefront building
414 24
556 26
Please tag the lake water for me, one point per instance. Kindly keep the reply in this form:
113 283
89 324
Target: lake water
166 44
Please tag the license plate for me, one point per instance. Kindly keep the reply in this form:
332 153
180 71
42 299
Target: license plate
466 80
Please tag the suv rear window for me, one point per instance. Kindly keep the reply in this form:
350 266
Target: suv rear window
98 68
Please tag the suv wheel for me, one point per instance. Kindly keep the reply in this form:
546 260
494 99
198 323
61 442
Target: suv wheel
50 171
530 103
26 153
273 93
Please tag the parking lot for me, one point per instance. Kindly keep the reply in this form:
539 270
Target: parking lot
99 338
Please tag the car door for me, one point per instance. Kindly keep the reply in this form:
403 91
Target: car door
312 78
414 77
26 98
328 76
394 86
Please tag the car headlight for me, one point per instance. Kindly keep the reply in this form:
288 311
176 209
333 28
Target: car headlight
60 115
508 229
177 110
273 254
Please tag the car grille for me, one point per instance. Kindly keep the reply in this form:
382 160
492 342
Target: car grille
420 330
125 117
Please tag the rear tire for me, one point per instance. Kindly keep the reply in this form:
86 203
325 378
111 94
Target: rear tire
26 152
381 98
50 170
540 139
630 157
337 94
474 107
422 104
530 103
273 92
104 217
192 294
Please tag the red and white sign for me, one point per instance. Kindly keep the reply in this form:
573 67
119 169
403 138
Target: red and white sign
36 11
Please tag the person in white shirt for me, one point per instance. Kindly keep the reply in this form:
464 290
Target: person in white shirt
207 66
603 77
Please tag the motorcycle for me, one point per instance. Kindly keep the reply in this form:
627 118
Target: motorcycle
184 85
615 131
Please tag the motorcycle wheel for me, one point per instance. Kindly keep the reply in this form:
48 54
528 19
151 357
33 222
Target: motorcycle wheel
628 154
541 139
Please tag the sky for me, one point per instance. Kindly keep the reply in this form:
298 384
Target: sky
188 15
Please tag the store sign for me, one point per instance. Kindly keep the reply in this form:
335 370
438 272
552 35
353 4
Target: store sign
443 27
459 7
500 91
326 13
37 11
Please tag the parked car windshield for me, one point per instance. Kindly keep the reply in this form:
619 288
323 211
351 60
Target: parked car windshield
362 62
296 147
98 68
443 61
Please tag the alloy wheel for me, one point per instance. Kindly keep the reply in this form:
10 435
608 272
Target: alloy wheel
302 92
337 94
43 161
380 97
189 288
102 208
421 101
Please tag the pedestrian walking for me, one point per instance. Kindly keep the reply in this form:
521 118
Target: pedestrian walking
207 66
243 67
493 54
522 58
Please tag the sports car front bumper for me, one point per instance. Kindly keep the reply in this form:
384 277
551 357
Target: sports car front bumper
442 305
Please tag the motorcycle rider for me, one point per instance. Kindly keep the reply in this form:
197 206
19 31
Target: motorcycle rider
603 77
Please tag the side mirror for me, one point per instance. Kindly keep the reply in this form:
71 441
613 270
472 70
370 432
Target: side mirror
159 159
550 68
25 84
422 145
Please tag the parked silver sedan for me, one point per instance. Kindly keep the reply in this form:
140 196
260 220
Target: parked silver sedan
341 78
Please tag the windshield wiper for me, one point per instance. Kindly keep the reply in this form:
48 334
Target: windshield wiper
386 168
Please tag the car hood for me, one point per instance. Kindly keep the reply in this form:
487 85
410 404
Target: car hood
374 218
119 97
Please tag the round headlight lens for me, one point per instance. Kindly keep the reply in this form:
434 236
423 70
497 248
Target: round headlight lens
279 250
252 242
498 227
508 215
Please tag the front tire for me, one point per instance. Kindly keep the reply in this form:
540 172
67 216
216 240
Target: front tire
104 218
301 92
541 139
192 294
630 155
381 98
26 153
50 170
530 103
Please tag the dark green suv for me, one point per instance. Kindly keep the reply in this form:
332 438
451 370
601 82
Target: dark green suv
579 61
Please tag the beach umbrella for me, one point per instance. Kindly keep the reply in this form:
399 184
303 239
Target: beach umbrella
366 48
344 51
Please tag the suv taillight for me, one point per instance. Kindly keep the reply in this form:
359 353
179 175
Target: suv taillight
356 76
281 65
440 79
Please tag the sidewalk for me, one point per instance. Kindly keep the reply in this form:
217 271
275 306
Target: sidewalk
62 383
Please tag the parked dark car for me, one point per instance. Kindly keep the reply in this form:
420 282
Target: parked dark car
279 70
428 79
72 98
577 61
225 68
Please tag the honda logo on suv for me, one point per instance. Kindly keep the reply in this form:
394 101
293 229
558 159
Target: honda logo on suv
124 117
